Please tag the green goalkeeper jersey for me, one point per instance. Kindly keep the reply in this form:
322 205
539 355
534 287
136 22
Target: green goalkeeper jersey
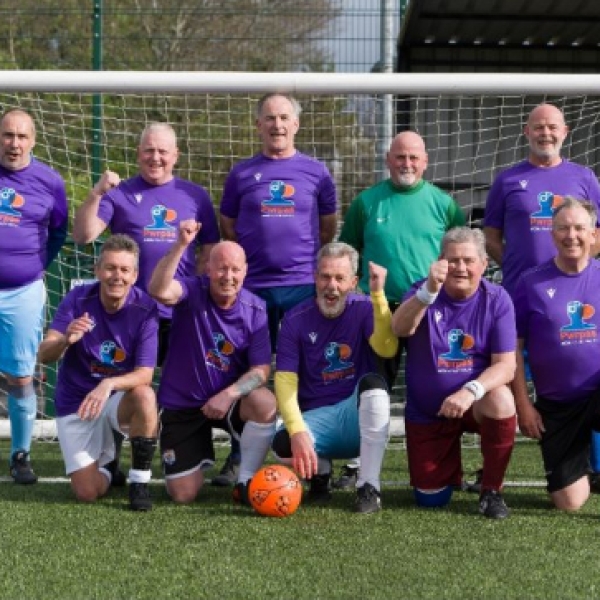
400 229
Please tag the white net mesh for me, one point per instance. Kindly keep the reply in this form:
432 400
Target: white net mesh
469 140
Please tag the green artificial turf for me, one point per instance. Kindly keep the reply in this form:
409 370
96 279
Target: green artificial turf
54 547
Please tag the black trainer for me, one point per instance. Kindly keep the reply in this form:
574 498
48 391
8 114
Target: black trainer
240 493
594 483
139 497
368 500
347 479
228 474
20 468
491 505
319 488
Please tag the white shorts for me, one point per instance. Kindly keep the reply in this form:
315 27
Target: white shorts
85 442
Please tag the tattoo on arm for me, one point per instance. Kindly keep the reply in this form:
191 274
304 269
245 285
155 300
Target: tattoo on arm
248 383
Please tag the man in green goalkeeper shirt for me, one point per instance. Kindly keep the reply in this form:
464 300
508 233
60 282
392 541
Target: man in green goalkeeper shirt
399 223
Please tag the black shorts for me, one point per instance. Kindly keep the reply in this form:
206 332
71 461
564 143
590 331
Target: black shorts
566 442
186 437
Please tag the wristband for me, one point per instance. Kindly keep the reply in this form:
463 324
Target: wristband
475 388
425 296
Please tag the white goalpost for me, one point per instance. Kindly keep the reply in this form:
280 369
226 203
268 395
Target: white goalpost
472 124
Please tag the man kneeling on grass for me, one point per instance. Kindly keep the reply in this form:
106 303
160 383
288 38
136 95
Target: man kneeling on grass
460 360
107 335
333 403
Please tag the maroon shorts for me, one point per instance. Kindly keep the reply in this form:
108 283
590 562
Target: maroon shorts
434 459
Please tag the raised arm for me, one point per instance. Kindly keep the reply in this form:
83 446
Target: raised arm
163 286
87 226
410 313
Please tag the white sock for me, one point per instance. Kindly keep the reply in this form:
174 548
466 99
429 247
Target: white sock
137 476
254 445
106 474
374 423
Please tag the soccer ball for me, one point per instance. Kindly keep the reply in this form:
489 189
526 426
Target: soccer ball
275 491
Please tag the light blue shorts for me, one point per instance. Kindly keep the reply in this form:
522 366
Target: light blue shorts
335 429
21 322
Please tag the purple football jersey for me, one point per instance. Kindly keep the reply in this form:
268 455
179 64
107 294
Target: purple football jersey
151 214
33 202
521 203
210 348
453 344
328 355
558 316
277 205
118 343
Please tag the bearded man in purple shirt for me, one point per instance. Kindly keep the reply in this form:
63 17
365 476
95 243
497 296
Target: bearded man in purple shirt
215 373
106 335
33 228
332 401
461 342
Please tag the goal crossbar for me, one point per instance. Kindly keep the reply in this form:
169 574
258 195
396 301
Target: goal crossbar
305 83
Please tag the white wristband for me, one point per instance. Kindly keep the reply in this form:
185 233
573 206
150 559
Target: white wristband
475 388
425 296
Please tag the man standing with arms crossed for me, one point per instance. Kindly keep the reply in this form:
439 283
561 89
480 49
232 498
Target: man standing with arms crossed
33 228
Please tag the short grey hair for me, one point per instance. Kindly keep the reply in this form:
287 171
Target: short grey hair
465 235
571 202
295 104
158 127
119 242
339 250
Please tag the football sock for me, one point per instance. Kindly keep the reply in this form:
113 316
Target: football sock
497 442
374 423
254 445
22 408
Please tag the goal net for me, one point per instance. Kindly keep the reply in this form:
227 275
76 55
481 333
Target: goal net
470 136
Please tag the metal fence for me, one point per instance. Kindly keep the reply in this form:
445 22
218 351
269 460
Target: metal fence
228 35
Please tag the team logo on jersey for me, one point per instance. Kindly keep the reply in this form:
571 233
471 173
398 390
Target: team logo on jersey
218 357
578 330
523 183
313 336
338 364
280 204
551 292
437 315
10 201
160 229
257 176
457 358
541 219
138 198
110 356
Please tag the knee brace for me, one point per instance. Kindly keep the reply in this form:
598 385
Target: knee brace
282 445
371 381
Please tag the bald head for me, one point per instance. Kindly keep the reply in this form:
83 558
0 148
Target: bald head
226 270
17 139
546 132
407 159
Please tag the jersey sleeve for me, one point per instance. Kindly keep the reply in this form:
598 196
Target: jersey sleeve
230 200
494 207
